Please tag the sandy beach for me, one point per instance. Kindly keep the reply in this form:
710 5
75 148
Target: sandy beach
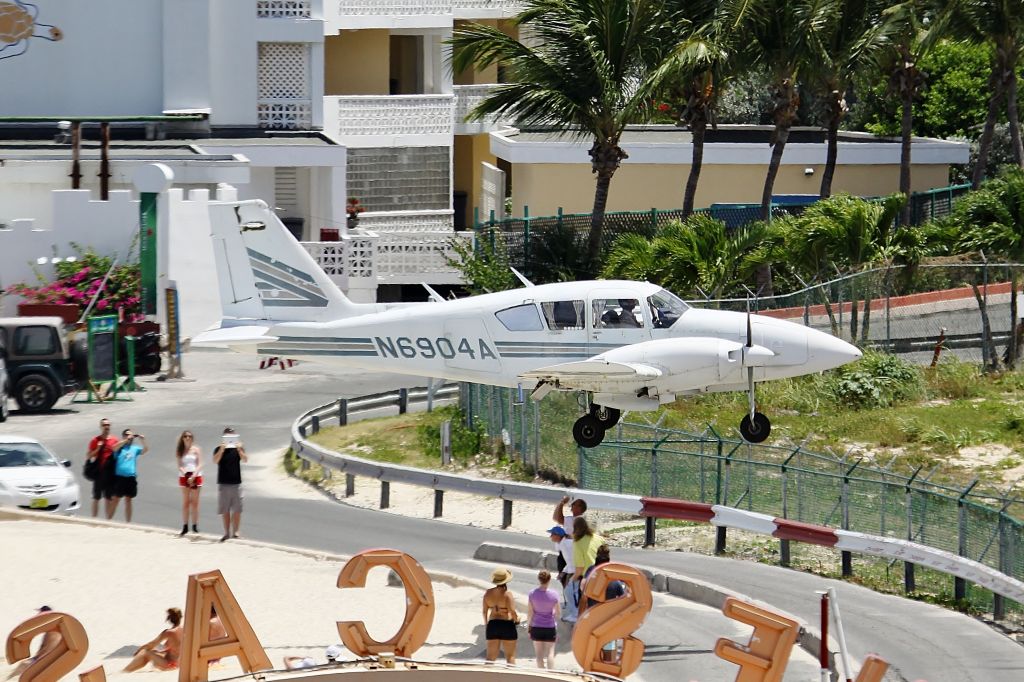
118 581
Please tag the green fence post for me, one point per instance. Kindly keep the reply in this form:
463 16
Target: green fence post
909 581
654 220
784 544
847 556
1005 565
959 584
526 240
490 230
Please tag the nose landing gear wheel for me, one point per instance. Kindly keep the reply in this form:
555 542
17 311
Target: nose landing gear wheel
606 416
587 431
756 430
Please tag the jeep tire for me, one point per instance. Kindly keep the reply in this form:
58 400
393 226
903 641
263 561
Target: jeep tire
35 393
3 404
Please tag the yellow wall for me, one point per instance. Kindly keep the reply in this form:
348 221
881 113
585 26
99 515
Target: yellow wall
546 187
470 151
357 63
490 74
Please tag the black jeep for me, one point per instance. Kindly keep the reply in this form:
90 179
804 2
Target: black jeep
38 360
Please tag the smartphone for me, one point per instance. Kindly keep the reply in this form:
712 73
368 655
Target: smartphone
230 439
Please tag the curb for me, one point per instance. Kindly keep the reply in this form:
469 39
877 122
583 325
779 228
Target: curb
673 584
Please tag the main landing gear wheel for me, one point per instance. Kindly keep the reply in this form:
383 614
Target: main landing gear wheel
756 430
587 431
606 416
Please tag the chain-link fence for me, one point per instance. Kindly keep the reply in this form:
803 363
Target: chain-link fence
905 309
784 481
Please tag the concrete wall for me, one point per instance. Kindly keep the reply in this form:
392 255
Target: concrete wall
637 187
357 63
469 152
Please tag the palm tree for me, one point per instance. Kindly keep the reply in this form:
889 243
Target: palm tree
855 38
910 42
999 23
696 71
992 220
696 255
849 234
586 71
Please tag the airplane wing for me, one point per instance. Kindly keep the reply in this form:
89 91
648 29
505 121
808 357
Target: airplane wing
568 374
250 335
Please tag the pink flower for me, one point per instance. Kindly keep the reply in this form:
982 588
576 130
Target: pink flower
102 304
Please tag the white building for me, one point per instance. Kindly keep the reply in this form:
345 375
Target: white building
302 103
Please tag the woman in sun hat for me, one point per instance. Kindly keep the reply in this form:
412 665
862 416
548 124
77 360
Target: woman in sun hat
500 617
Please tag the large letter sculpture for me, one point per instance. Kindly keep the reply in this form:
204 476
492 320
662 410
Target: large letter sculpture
206 590
611 620
58 661
764 657
419 603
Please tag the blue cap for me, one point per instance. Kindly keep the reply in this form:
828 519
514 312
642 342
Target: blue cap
557 530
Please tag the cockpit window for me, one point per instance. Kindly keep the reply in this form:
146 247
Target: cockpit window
563 314
617 313
521 318
666 308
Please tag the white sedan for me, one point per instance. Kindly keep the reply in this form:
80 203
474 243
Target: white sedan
31 477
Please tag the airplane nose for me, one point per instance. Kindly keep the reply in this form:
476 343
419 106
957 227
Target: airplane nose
828 352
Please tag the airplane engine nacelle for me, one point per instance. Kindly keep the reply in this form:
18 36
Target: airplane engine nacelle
687 363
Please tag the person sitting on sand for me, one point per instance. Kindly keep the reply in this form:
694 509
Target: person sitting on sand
164 650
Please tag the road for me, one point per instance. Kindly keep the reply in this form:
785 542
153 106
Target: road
921 641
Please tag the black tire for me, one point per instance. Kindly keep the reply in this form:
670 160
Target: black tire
4 412
606 416
587 431
35 393
78 350
148 364
756 431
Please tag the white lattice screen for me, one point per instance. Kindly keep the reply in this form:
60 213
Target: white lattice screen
492 194
283 87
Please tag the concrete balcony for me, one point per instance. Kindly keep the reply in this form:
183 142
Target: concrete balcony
354 14
486 9
390 121
467 97
384 222
284 9
284 114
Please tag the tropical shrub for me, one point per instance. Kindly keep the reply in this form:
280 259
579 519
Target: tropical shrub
465 441
79 280
877 380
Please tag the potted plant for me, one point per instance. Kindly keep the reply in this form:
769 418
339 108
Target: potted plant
354 208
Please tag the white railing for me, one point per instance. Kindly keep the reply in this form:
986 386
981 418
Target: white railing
407 221
364 258
284 9
467 97
471 9
389 116
284 114
393 7
413 257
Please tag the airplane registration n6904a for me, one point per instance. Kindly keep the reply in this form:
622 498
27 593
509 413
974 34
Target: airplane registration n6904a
628 345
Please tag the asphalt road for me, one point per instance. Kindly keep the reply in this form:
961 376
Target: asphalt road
922 641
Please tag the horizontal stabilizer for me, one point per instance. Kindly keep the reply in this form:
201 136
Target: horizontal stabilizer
233 336
594 369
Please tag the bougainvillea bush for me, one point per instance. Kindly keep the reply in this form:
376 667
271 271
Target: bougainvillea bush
78 281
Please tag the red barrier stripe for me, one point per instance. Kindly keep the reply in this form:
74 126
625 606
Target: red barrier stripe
663 508
805 532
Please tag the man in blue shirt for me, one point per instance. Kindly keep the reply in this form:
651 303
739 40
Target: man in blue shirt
125 484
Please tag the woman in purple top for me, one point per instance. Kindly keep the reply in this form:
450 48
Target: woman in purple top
544 610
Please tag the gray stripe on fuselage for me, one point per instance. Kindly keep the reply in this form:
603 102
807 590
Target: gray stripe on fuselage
278 264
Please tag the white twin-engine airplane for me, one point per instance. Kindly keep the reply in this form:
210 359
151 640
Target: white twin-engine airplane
629 345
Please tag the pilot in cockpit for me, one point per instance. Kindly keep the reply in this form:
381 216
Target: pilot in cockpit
628 318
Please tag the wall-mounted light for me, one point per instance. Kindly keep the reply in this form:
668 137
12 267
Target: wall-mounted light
808 171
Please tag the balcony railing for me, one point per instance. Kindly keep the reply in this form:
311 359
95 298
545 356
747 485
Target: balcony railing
477 9
284 9
376 118
284 114
363 258
406 221
467 97
393 7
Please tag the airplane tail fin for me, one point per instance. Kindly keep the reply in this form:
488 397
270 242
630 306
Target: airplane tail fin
264 273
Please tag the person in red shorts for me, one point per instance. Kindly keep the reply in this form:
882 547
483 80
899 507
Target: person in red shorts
190 479
101 447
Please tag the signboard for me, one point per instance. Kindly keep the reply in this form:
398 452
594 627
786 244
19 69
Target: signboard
173 337
102 335
147 251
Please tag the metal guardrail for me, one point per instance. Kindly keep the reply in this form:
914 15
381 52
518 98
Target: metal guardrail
719 515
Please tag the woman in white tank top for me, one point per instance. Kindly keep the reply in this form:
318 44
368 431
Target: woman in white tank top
190 479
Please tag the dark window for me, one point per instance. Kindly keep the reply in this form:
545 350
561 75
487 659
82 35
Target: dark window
564 314
521 318
34 341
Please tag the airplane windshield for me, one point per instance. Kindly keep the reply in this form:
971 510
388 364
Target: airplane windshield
666 308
